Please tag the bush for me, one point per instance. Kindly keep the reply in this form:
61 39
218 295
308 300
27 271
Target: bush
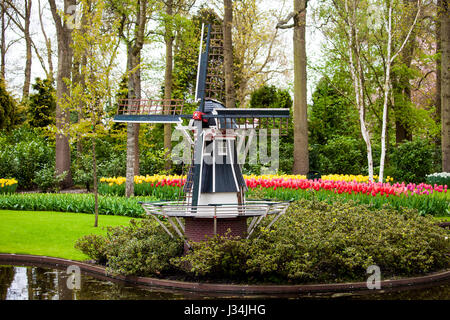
339 154
318 242
94 246
142 248
413 160
218 257
23 153
48 180
439 178
83 173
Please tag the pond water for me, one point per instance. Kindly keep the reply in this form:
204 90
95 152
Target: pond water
37 283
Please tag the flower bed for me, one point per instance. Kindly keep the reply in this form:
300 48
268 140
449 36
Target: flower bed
8 185
426 198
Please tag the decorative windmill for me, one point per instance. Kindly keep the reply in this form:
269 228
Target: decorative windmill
214 192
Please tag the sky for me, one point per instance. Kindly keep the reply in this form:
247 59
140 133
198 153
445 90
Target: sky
151 80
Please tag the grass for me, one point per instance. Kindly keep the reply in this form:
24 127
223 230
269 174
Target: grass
49 233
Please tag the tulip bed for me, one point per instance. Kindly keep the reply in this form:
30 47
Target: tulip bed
426 198
8 185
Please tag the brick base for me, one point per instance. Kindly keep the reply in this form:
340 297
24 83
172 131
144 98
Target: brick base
197 229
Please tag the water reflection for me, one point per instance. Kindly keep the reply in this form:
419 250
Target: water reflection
37 283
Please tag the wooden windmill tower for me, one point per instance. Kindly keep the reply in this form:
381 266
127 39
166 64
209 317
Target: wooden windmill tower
214 193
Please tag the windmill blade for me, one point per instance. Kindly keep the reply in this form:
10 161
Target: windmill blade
150 111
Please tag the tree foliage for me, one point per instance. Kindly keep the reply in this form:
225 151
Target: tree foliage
42 104
7 107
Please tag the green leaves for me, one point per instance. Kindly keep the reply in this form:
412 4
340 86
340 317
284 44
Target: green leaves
78 203
142 248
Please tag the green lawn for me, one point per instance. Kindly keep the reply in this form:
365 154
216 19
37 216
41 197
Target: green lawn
50 233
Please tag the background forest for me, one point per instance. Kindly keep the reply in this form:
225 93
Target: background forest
370 83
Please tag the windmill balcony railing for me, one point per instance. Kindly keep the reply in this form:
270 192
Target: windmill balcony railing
249 209
150 107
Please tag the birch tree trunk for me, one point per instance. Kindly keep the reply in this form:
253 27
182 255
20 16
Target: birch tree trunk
387 82
301 155
445 84
390 57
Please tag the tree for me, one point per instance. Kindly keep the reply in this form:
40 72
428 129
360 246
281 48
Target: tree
390 58
65 55
258 54
21 17
445 83
366 38
230 95
93 92
270 97
300 112
168 76
134 16
7 107
3 46
42 104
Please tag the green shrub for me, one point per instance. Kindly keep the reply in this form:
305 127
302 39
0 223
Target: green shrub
315 242
339 154
94 246
23 153
218 257
439 178
319 242
83 173
48 180
142 248
413 160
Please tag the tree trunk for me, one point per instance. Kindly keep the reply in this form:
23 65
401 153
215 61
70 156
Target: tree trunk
438 65
48 44
94 163
357 76
387 83
445 85
134 48
131 129
230 93
65 54
29 56
3 42
401 86
301 156
168 82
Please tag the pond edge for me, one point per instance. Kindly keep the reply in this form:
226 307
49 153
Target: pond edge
6 258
